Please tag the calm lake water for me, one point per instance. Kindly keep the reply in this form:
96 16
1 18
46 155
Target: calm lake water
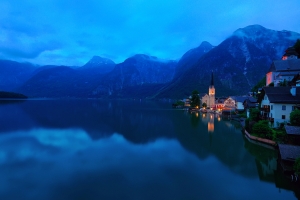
99 149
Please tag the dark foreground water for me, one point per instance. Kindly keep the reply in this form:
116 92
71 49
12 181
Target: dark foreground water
88 149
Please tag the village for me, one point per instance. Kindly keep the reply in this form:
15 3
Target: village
270 116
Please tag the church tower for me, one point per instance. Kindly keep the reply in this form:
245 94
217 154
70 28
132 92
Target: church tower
211 92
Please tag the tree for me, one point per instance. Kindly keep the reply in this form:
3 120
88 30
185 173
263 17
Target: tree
283 83
262 129
195 100
204 105
12 95
297 166
297 47
254 114
295 117
260 84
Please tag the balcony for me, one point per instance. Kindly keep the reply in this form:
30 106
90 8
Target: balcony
265 109
270 119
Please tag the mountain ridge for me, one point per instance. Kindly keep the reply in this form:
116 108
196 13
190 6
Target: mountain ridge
238 63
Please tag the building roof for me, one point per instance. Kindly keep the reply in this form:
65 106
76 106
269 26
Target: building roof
202 95
292 130
295 79
282 95
250 102
285 65
289 152
288 73
239 98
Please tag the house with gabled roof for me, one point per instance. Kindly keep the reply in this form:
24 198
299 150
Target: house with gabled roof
239 102
250 102
290 53
282 70
293 134
287 156
229 103
278 102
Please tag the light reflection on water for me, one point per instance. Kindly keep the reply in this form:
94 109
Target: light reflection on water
191 163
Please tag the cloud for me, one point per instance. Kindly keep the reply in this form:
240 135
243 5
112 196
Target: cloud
14 44
74 31
54 164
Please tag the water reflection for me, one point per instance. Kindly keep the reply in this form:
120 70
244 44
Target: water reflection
210 124
127 150
70 165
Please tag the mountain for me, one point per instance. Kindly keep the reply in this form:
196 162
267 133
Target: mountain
61 81
135 77
65 81
103 65
238 63
191 57
138 76
50 82
14 74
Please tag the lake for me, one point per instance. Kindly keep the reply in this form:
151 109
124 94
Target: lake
130 149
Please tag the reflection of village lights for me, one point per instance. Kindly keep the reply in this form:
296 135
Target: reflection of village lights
210 116
197 114
210 127
203 115
219 118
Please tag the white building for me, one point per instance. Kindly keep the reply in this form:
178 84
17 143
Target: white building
210 98
278 102
282 70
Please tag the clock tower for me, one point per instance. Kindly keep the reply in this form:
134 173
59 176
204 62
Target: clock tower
211 92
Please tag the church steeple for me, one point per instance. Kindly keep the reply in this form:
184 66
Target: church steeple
211 92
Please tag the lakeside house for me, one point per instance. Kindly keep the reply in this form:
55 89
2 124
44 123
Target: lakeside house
250 102
287 155
240 102
293 134
220 103
284 70
278 102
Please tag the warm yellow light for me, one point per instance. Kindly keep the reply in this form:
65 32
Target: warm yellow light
210 127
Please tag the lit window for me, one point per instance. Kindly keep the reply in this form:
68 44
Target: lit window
283 107
283 117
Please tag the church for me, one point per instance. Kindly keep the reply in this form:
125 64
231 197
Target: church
210 98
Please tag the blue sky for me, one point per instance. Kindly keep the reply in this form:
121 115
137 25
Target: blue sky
70 32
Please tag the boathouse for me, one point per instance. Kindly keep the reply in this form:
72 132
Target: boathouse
293 134
287 157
